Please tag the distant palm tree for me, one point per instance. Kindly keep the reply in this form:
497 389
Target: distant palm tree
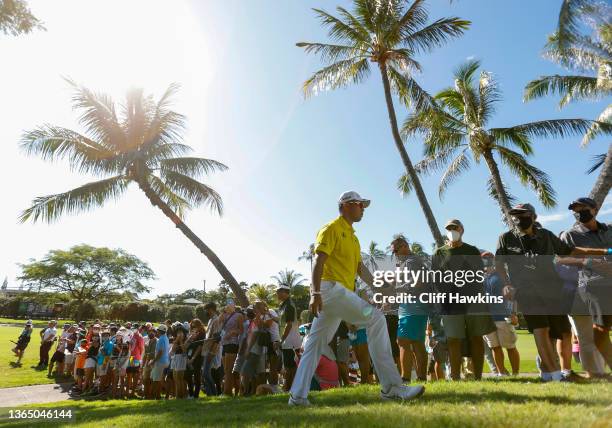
589 58
389 33
287 277
143 146
308 255
456 131
263 292
417 249
373 256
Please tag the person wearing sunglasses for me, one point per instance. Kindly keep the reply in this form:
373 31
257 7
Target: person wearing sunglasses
333 298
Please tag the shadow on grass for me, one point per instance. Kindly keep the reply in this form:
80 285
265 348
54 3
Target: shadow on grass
347 408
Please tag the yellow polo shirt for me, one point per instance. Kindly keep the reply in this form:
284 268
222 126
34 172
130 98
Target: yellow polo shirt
337 239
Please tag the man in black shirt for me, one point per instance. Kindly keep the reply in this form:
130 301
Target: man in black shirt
528 253
462 321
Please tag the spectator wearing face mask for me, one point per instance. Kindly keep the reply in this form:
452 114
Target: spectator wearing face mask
462 321
591 314
528 253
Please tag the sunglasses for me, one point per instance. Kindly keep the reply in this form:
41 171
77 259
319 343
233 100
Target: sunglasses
358 204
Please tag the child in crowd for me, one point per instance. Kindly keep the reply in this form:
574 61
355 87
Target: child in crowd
80 355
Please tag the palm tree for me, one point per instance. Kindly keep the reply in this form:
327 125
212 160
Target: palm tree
308 255
287 277
456 131
262 292
374 254
389 33
143 146
589 58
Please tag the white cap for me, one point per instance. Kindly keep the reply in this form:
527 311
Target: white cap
351 196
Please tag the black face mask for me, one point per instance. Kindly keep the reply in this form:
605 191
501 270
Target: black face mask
584 216
523 222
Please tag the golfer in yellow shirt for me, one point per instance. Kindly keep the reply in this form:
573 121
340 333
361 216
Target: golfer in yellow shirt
337 263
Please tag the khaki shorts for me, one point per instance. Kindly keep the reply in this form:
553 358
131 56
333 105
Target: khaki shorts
157 373
504 336
464 326
146 372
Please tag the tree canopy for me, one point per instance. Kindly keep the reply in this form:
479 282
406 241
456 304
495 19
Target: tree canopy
16 18
87 273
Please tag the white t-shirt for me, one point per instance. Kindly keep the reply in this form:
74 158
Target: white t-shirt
274 328
49 334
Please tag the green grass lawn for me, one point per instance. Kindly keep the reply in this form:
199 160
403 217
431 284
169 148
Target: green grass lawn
24 375
37 323
500 403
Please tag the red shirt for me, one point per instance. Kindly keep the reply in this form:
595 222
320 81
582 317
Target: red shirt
137 346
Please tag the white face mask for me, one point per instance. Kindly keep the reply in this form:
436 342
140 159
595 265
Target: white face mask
453 235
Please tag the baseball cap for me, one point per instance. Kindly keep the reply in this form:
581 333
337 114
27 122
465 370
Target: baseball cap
162 327
28 322
453 222
583 201
522 208
351 196
283 287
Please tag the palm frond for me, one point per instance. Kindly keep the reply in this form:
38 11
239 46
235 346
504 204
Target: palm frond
504 136
83 198
492 191
356 24
408 90
570 88
601 126
98 116
337 75
338 29
570 20
437 161
84 155
436 34
598 161
332 53
138 111
179 205
459 165
413 19
559 128
192 167
529 175
193 191
155 153
488 95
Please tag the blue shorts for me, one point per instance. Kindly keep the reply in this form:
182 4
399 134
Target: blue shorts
412 327
361 339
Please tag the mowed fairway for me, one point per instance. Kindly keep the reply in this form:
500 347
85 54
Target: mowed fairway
499 403
24 375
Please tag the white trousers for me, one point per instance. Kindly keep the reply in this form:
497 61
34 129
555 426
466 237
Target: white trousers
341 304
590 357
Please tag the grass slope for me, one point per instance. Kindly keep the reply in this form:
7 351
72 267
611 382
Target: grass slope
500 403
24 375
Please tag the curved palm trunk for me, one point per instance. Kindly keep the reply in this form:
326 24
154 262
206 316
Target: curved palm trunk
602 186
431 220
502 196
204 249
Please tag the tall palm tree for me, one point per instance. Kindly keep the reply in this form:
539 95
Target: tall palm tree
389 33
287 277
308 255
373 256
589 58
264 292
455 131
141 145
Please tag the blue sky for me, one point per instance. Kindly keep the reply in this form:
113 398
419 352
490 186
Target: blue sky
289 158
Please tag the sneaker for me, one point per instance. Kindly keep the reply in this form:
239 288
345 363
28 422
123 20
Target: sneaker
574 378
403 392
297 402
